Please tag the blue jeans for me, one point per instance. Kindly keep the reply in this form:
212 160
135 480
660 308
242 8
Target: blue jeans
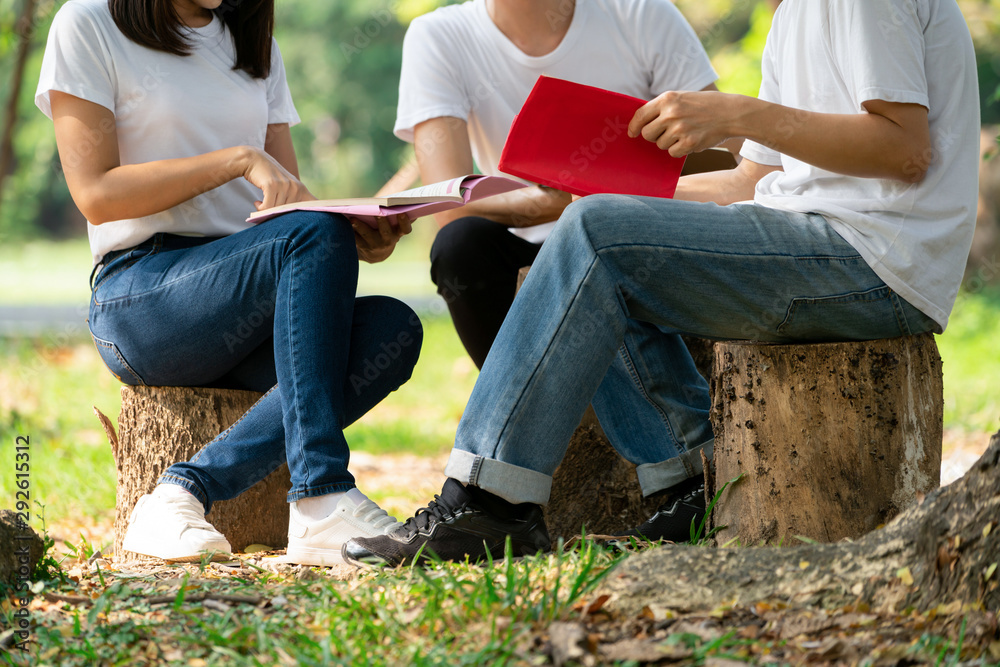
618 280
271 309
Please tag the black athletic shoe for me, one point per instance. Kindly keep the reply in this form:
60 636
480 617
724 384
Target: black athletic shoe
672 522
453 526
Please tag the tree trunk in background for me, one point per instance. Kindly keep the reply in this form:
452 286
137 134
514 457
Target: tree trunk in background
24 31
942 549
832 440
160 426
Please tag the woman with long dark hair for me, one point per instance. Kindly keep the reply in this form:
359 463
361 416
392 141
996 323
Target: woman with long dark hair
171 118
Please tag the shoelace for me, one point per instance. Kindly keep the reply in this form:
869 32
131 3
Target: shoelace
373 515
436 509
694 493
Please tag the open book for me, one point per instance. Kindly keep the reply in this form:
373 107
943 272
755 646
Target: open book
575 138
425 200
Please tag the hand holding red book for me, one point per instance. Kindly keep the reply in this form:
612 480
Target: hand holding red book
575 138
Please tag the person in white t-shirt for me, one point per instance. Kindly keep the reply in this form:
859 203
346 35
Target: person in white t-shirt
171 120
467 69
850 218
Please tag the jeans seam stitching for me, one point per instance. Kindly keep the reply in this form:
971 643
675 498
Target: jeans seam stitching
535 370
186 275
637 381
111 347
801 300
225 433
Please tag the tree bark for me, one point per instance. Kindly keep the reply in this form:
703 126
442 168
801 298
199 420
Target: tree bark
160 426
942 549
832 440
24 31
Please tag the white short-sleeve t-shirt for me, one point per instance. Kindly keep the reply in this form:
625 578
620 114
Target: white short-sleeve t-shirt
832 56
165 106
457 63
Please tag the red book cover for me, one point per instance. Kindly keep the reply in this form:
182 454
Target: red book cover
575 138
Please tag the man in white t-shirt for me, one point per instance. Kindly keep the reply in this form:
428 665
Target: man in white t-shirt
466 72
861 163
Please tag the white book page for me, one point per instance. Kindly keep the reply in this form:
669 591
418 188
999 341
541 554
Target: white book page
450 188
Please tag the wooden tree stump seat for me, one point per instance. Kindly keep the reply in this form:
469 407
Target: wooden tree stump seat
832 440
160 426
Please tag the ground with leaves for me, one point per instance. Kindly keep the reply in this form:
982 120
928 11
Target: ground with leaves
541 610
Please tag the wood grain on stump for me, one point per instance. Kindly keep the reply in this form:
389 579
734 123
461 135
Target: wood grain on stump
832 440
160 426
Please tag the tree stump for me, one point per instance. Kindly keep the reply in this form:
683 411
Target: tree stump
160 426
831 440
594 487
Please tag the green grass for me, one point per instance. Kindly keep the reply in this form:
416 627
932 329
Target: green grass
970 349
445 614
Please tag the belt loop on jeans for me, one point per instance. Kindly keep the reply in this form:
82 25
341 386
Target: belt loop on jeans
97 268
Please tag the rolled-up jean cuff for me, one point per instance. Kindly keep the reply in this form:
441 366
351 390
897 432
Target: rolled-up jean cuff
655 477
512 483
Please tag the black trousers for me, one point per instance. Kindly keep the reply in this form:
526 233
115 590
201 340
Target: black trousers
474 263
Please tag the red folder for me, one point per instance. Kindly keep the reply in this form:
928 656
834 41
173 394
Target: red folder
575 138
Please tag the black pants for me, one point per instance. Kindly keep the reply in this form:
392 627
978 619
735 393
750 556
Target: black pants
474 263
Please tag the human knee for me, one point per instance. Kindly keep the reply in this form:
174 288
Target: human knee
459 244
404 336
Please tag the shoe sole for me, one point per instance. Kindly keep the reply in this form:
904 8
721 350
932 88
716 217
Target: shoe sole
196 558
315 557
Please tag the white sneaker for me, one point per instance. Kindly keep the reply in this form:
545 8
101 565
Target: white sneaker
170 525
319 542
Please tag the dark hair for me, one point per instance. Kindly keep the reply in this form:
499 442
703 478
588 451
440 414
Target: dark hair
155 24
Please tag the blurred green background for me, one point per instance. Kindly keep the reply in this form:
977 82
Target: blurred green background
342 59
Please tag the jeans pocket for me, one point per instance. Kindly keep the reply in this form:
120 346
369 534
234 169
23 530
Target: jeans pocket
115 362
851 316
111 282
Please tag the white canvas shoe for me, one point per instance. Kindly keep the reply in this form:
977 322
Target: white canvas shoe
319 542
170 524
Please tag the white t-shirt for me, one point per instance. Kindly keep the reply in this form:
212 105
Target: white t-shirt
832 56
165 106
457 63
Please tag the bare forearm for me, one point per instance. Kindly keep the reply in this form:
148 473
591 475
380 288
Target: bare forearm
865 145
137 190
521 208
721 187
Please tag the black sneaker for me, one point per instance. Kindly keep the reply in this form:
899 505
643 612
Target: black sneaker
453 526
672 521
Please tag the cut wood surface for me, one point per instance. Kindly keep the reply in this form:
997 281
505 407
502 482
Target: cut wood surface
831 440
160 426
